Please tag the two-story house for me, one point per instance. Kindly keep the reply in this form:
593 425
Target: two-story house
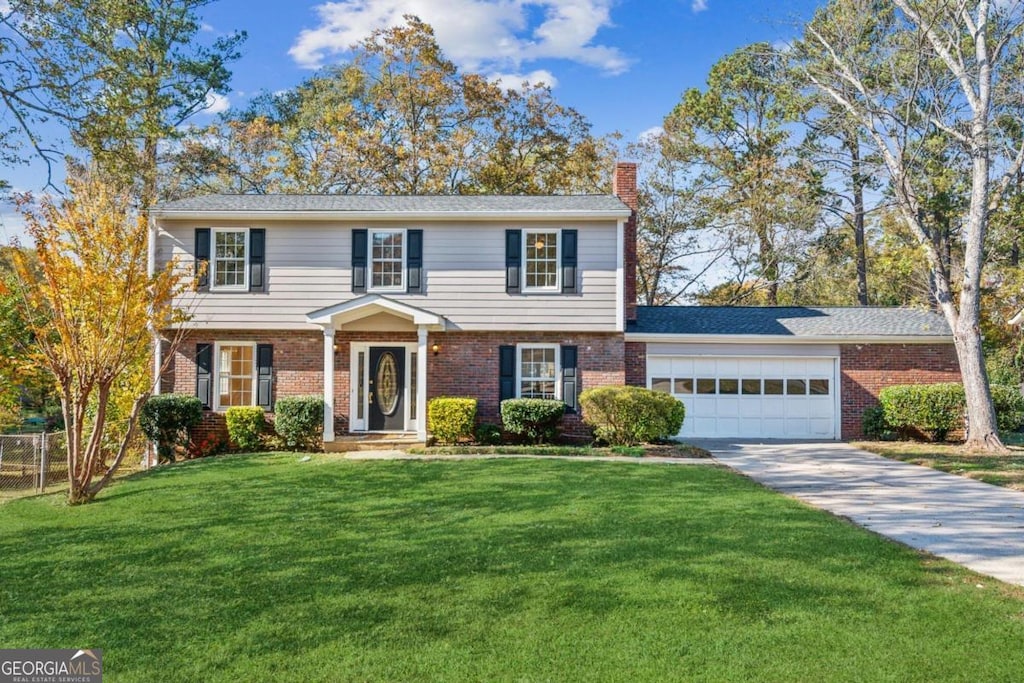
382 302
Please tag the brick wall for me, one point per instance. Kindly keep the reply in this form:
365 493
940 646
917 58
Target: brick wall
624 187
298 368
636 364
466 365
868 368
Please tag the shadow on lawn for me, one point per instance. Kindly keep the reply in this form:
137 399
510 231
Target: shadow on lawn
258 554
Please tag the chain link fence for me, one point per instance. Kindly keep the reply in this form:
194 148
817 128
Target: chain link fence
31 462
35 463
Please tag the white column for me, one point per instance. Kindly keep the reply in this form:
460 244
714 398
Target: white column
328 383
421 384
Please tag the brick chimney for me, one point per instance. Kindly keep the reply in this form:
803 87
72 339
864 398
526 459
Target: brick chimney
624 187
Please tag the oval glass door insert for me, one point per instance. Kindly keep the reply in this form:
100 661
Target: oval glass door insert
387 384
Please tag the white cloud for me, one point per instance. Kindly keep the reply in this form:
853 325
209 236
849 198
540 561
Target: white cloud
216 103
12 227
208 28
515 81
652 133
479 35
5 7
698 6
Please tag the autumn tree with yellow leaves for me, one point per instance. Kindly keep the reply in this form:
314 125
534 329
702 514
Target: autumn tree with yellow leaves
91 306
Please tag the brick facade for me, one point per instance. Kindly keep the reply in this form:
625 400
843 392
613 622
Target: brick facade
636 364
466 365
624 187
868 368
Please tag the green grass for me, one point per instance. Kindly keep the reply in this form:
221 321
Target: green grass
264 568
998 469
666 450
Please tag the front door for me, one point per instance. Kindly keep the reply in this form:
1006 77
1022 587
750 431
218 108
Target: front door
386 389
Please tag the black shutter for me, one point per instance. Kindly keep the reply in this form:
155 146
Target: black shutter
569 262
257 250
359 260
204 374
507 371
414 262
202 250
264 375
570 379
513 259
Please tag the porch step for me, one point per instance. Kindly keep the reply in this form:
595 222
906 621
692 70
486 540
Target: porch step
371 442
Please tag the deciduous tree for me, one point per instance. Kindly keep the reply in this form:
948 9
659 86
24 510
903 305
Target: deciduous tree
91 306
932 69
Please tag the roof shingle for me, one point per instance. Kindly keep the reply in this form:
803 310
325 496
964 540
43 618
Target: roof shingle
255 203
791 321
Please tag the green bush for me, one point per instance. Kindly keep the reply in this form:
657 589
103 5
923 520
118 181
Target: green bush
245 424
937 409
451 419
1009 405
627 416
932 409
533 419
299 420
165 419
874 426
488 434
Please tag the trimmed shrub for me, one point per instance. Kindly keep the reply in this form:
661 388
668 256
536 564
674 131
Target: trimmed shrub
488 434
937 409
1009 405
533 419
299 420
932 409
874 426
245 424
166 418
451 419
627 416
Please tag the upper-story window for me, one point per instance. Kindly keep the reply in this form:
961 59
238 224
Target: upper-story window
229 265
541 251
387 260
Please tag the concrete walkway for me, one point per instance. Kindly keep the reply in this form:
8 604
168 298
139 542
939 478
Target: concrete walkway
977 525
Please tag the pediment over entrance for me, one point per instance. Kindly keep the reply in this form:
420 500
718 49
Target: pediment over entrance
376 312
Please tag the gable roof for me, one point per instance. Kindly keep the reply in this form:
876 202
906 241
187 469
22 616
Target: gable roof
380 206
791 322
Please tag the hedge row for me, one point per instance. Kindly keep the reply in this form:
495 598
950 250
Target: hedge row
937 409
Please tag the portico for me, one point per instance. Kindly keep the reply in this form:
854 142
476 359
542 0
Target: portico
388 387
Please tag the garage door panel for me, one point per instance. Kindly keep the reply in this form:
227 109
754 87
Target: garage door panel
682 367
782 397
750 407
821 407
727 407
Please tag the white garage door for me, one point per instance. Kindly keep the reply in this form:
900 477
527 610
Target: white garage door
743 396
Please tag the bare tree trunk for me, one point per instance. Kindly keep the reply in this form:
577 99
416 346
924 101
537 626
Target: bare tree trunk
857 186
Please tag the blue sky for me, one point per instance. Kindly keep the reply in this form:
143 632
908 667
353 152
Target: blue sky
621 63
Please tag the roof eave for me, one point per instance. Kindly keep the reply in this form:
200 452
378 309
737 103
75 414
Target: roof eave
663 337
194 215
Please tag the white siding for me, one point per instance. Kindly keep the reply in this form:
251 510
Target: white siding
308 267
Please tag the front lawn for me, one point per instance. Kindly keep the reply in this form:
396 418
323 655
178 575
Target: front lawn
258 568
1001 470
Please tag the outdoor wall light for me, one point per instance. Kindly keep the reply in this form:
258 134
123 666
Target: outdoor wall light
435 348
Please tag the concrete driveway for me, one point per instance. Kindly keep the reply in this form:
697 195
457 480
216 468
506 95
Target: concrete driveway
977 525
